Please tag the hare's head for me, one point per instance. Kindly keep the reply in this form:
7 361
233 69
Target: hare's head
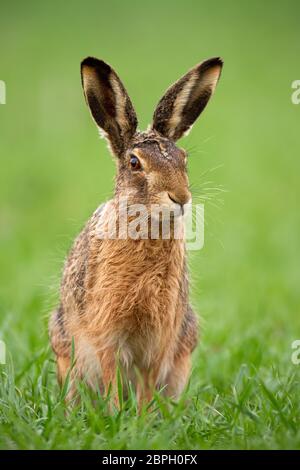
151 168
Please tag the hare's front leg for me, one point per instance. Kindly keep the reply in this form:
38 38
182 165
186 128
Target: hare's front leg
108 364
178 376
180 370
65 372
145 387
63 368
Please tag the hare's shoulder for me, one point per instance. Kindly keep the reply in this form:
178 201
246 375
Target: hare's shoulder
81 245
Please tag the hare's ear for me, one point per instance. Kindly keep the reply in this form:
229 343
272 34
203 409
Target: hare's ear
184 101
109 103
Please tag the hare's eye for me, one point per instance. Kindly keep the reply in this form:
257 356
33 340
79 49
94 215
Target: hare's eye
135 163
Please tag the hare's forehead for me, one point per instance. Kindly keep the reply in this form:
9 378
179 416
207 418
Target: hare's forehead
158 150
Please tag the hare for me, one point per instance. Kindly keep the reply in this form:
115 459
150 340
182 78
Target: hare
124 301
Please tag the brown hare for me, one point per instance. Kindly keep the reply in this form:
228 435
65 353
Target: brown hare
124 300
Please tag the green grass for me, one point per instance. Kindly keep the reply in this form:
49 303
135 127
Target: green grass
244 389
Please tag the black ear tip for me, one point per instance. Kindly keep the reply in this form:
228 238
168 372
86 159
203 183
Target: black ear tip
89 62
215 61
219 61
210 63
96 64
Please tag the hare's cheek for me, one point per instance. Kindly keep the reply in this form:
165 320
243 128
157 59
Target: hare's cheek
137 188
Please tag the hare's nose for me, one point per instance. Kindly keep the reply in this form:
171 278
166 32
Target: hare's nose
180 198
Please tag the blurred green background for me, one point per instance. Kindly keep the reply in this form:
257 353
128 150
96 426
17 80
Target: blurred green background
55 170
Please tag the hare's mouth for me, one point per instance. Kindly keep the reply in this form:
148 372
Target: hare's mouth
179 206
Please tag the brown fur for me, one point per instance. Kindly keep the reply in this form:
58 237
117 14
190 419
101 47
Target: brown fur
126 301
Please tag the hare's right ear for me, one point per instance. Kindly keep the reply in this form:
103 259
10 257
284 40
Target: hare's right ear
184 101
109 103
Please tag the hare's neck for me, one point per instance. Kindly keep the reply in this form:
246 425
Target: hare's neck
163 247
128 242
164 257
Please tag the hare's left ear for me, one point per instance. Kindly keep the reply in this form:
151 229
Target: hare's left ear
109 103
184 101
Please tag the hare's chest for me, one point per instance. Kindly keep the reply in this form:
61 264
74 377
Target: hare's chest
136 291
149 328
